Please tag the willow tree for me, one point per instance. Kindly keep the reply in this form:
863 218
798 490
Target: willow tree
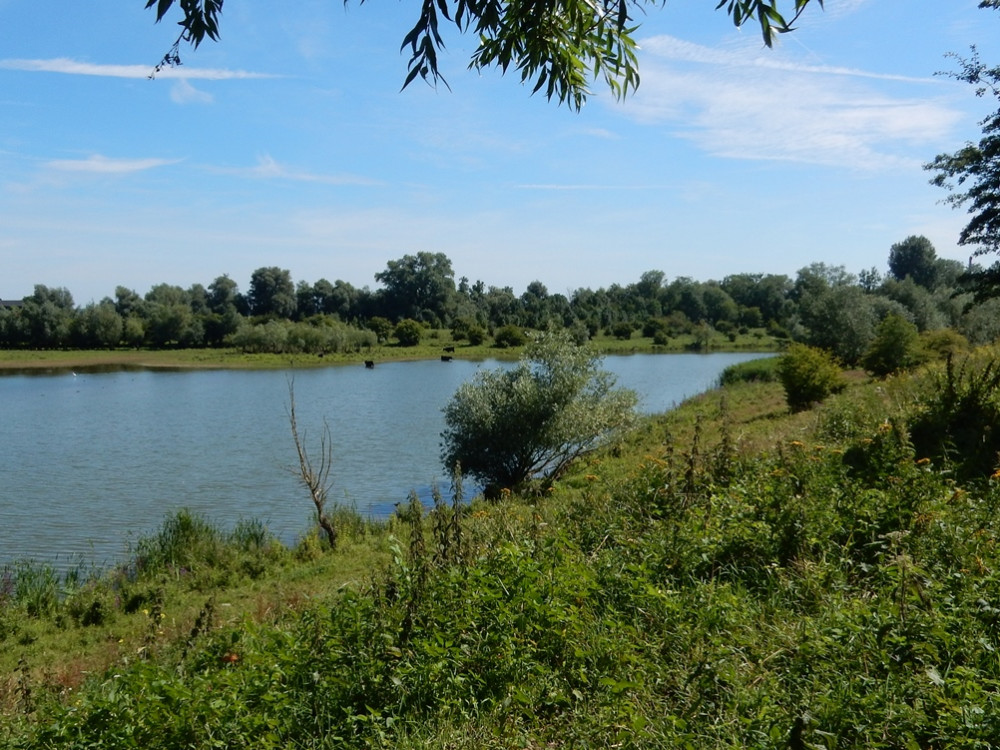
558 46
507 426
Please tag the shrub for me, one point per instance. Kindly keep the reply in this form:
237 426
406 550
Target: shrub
509 336
763 370
894 347
960 420
941 344
506 426
382 328
622 331
808 375
408 332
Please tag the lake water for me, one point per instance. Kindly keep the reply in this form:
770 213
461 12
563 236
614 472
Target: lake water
90 461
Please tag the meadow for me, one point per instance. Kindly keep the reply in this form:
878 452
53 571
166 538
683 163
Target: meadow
733 575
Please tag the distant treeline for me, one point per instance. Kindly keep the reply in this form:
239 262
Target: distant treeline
824 305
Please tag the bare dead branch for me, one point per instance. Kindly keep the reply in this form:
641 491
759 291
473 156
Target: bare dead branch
314 477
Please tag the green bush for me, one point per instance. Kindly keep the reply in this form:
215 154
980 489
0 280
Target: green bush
808 375
381 327
509 336
622 331
763 370
408 332
941 344
960 419
468 328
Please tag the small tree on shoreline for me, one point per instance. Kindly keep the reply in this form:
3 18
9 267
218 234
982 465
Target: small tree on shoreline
507 426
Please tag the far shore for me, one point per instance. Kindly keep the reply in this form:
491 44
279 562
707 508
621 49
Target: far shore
18 360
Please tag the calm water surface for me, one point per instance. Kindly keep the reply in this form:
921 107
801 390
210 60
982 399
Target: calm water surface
91 461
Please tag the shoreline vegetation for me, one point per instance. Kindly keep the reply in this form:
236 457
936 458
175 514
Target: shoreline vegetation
733 574
33 360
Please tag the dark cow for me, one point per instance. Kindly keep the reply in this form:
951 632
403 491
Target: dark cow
369 364
445 358
450 349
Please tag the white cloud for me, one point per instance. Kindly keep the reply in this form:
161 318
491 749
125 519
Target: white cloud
269 169
183 92
75 67
103 165
833 116
668 47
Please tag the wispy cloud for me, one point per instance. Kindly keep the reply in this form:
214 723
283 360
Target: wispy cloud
103 165
268 168
589 187
183 92
800 112
668 47
75 67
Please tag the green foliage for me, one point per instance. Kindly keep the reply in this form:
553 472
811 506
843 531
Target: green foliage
507 426
320 335
622 331
808 376
559 45
895 348
420 286
381 327
763 370
959 422
941 343
408 332
468 328
509 336
914 258
971 173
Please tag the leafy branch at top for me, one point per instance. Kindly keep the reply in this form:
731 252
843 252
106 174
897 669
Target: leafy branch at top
559 46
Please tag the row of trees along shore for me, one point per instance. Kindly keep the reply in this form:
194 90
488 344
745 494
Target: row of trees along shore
823 305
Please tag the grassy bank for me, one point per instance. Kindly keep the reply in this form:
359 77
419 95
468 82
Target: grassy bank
732 576
431 347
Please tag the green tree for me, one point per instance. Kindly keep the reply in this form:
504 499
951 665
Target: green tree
509 425
98 326
46 317
557 45
896 347
972 174
916 259
808 376
272 292
223 295
841 319
420 286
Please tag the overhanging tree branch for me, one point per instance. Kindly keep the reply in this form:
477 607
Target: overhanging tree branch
560 46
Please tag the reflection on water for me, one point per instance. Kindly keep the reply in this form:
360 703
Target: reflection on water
92 459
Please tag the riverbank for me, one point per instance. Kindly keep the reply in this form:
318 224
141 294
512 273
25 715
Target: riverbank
432 347
732 576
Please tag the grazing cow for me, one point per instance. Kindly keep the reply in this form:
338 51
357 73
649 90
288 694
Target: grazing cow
369 364
450 349
445 358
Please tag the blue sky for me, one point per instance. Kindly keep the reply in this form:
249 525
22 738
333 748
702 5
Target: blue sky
290 144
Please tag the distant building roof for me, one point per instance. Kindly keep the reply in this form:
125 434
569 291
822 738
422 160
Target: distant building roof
11 302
